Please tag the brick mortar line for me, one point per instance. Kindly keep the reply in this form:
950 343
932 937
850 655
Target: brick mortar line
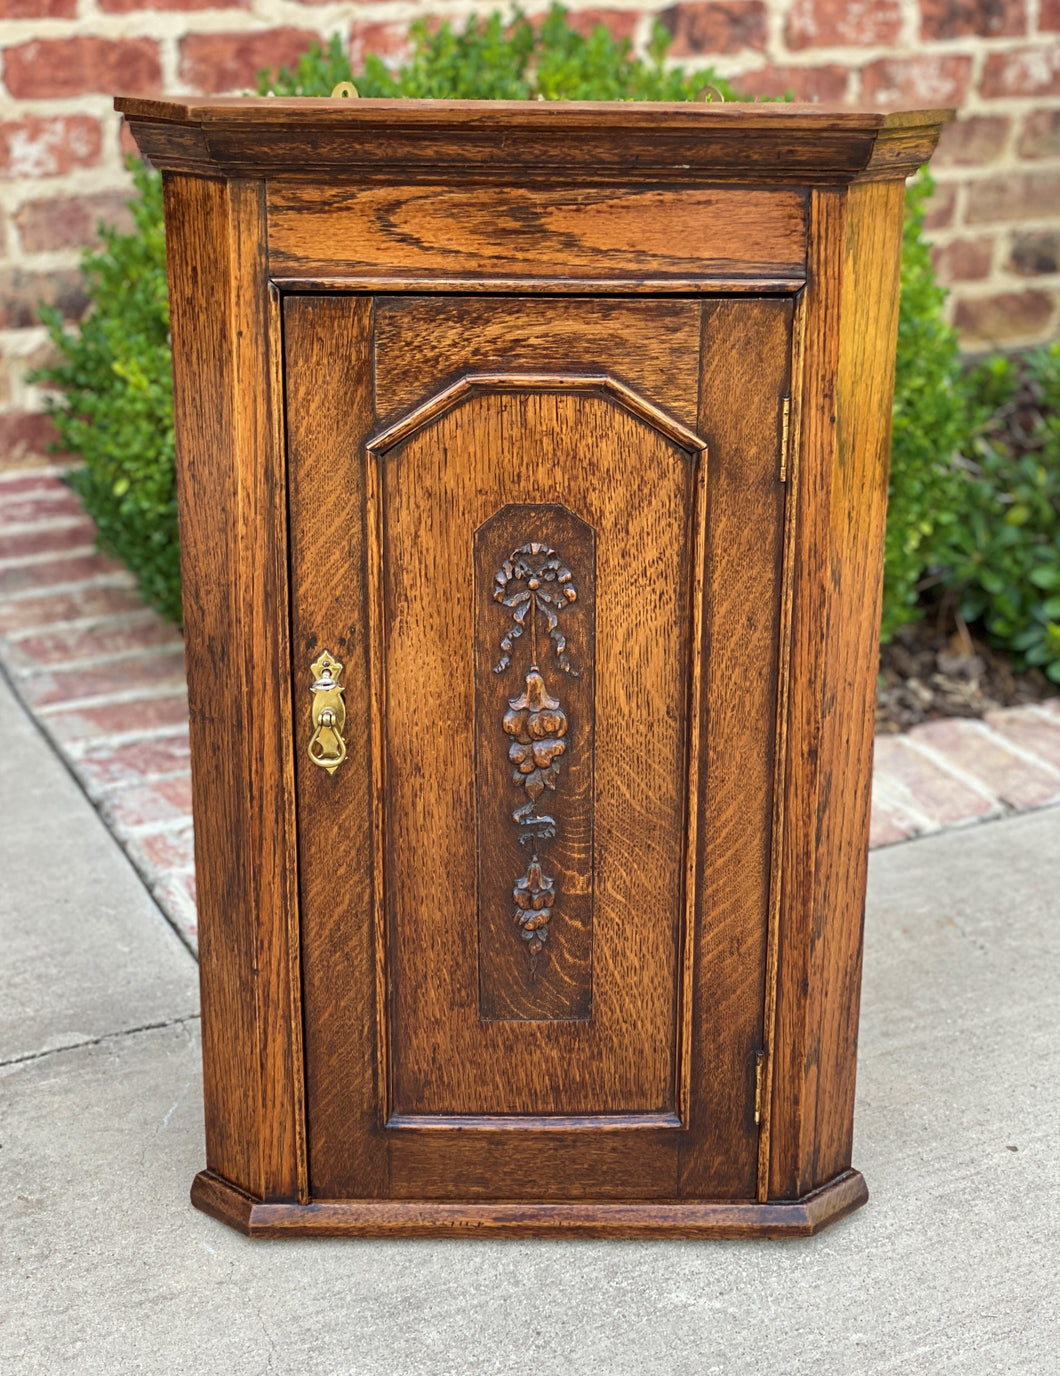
1014 748
52 260
982 176
106 620
166 26
1001 229
978 291
976 104
902 796
77 750
29 561
971 174
80 181
119 579
153 881
18 475
110 793
173 24
49 525
176 894
17 336
74 751
104 1037
942 761
175 826
75 664
46 522
122 698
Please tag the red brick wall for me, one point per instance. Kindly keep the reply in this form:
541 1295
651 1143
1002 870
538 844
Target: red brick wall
995 220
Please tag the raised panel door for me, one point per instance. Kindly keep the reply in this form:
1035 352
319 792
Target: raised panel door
544 540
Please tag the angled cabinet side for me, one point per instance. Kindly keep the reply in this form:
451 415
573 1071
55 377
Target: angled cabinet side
232 500
850 319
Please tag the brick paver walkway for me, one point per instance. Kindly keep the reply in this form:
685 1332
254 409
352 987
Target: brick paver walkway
104 678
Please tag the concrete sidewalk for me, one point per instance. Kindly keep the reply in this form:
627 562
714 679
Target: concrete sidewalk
106 1269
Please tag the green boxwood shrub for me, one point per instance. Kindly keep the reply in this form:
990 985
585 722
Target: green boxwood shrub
929 425
114 382
115 408
1003 554
504 59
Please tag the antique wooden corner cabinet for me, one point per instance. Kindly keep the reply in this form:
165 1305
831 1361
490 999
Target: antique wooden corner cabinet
532 472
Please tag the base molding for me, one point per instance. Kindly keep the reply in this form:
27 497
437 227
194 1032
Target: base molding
430 1218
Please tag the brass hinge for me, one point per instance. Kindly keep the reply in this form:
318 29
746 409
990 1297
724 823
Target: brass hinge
785 437
760 1060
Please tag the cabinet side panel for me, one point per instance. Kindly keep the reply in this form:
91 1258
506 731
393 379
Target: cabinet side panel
328 348
745 352
233 546
794 1089
864 395
851 319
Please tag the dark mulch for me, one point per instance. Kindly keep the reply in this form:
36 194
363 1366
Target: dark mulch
928 672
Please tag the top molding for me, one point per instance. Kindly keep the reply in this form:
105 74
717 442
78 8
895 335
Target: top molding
307 138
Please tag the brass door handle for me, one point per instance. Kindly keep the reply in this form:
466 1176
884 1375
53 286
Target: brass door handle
327 747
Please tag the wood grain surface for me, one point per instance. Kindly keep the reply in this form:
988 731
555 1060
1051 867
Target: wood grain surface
555 143
864 395
851 319
746 359
634 488
653 1219
650 346
654 1049
570 941
231 489
547 750
619 235
327 427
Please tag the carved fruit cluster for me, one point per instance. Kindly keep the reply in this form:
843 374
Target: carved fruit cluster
534 896
538 724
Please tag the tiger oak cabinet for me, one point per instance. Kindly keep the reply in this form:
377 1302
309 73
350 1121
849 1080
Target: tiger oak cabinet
532 473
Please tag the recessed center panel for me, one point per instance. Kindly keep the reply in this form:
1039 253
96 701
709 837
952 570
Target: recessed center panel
534 617
535 621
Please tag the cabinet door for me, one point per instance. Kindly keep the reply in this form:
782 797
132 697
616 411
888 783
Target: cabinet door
543 537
